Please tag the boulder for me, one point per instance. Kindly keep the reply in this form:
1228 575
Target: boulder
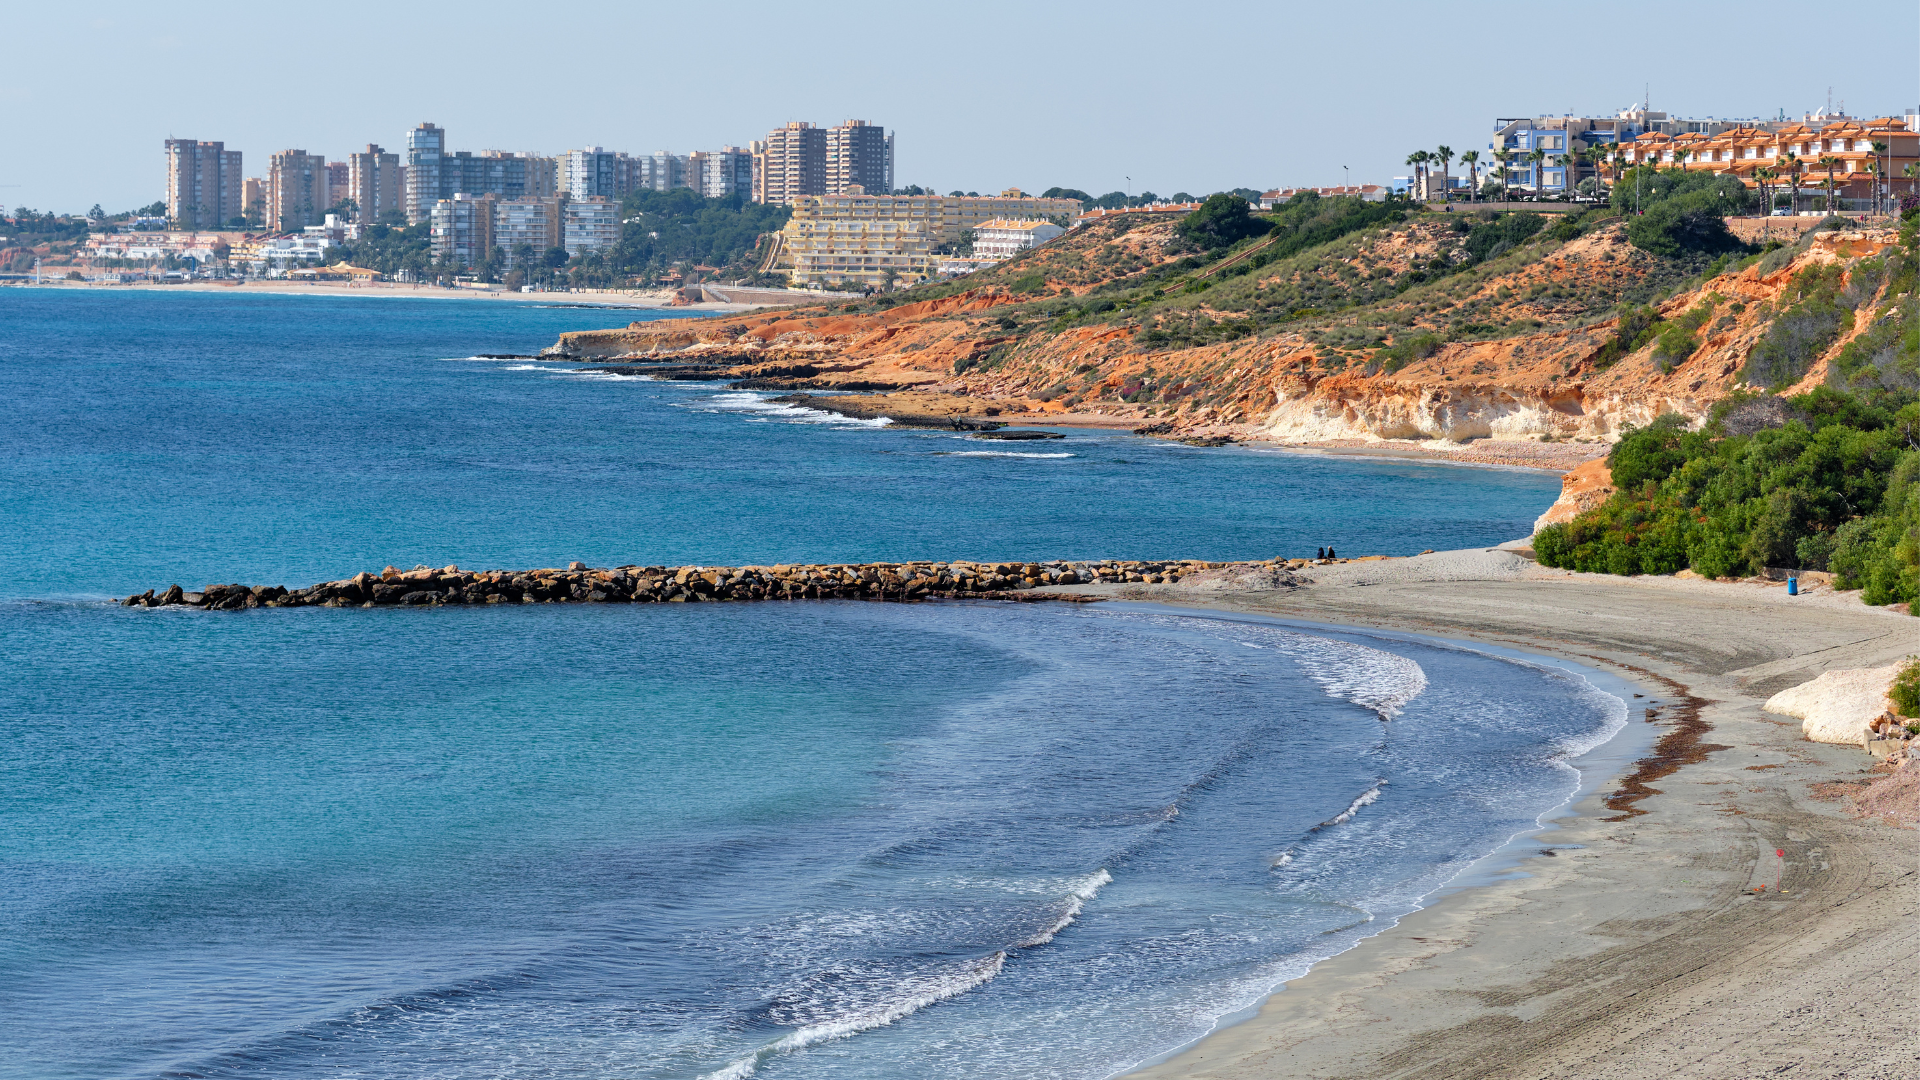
1839 706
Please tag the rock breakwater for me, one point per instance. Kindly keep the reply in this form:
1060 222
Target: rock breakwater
579 584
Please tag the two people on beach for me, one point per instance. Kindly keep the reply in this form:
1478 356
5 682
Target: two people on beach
1324 553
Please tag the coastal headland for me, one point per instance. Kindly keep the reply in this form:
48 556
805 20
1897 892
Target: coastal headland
1396 337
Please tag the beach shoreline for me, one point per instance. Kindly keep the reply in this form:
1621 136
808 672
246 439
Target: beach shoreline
398 290
1634 944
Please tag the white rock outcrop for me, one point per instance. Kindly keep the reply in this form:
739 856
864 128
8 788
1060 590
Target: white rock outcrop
1837 706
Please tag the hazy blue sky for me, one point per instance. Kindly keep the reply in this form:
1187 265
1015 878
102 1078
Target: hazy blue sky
985 95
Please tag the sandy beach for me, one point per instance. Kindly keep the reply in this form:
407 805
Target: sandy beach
658 299
1634 944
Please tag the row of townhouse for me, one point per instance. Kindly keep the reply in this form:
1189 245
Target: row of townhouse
1562 141
856 238
1859 160
468 229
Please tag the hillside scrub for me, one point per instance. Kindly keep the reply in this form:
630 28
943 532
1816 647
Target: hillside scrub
1836 486
1221 222
1813 318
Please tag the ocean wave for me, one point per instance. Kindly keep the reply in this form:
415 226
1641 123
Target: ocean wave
537 367
1086 890
752 402
995 453
607 376
920 994
1371 678
1365 798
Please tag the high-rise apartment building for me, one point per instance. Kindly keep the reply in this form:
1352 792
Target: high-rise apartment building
462 229
596 172
253 199
434 173
859 155
669 171
592 224
725 173
296 190
425 145
791 164
338 175
373 183
526 228
203 184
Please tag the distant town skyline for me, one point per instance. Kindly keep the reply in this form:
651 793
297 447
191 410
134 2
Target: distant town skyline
1122 96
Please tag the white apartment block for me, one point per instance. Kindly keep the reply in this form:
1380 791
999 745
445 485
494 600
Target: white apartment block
1002 239
592 224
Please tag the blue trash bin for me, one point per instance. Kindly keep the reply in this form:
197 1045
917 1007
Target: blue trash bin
1793 586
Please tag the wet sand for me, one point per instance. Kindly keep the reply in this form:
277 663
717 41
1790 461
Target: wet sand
1640 947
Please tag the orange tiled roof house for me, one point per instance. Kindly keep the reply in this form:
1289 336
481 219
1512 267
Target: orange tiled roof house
1839 159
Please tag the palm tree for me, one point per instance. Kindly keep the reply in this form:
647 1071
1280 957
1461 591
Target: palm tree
1471 159
1505 172
1414 161
1912 173
1680 156
1536 158
1829 163
1791 162
1565 161
1444 155
1762 177
1873 171
1886 165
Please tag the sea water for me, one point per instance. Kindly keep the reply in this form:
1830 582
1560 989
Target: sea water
816 839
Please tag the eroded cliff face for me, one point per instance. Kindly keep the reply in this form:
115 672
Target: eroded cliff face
1554 384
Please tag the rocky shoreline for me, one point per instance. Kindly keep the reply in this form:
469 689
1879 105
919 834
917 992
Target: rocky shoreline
579 584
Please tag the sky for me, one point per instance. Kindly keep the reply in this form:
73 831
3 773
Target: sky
981 96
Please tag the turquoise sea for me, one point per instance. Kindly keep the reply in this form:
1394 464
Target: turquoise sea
825 839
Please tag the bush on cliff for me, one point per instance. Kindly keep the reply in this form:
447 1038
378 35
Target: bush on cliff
1687 225
1815 316
1222 221
1836 486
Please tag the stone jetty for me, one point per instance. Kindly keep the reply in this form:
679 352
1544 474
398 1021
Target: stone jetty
579 584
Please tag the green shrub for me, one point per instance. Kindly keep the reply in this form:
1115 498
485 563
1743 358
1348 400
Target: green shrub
1684 225
1637 325
1905 690
1222 221
1836 486
1814 317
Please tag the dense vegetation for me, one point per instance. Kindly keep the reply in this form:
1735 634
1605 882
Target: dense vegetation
1675 213
1827 480
1835 487
665 230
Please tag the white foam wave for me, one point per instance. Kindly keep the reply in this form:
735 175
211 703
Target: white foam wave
919 993
925 992
1365 798
607 376
535 367
995 453
1371 678
1076 902
756 404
